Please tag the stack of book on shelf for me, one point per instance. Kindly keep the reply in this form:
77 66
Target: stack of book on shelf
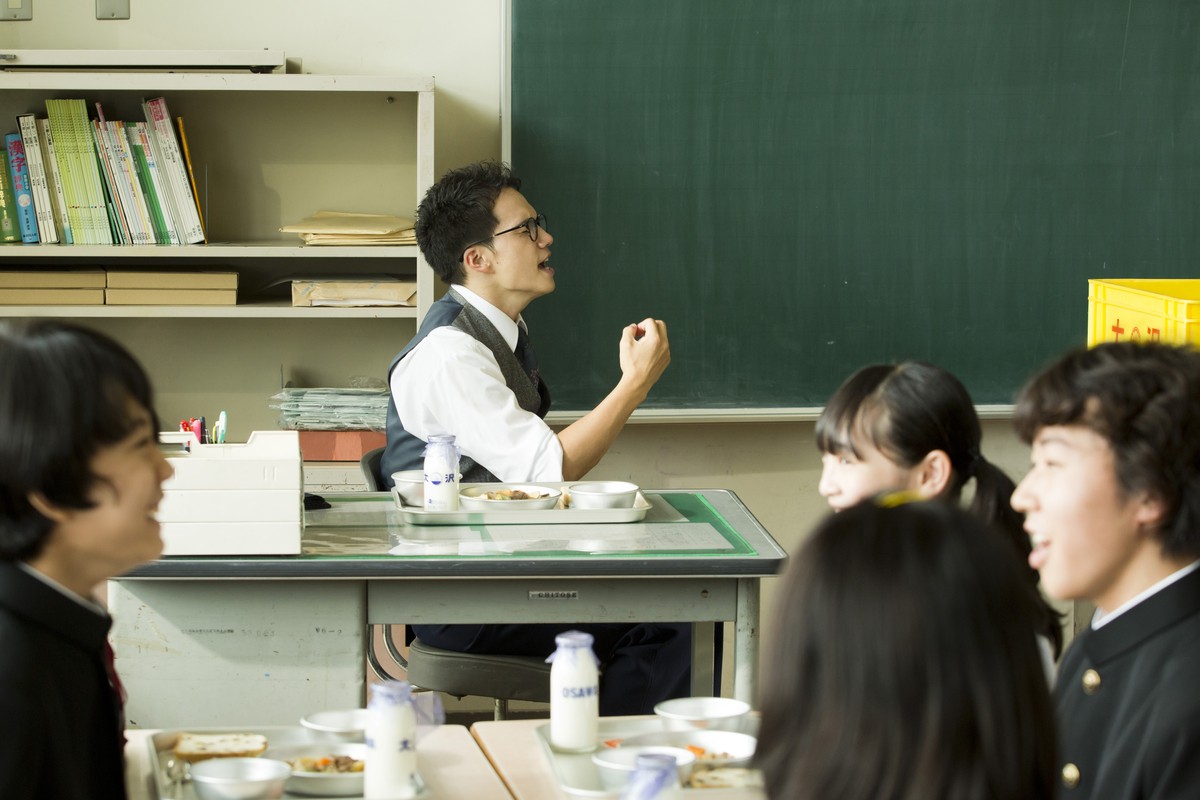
42 288
171 288
71 179
346 228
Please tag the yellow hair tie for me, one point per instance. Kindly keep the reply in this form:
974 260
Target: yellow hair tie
900 498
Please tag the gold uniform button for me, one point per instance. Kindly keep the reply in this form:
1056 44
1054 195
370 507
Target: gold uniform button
1070 775
1091 681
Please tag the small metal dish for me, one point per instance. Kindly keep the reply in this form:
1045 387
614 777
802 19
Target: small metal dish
239 778
343 725
703 713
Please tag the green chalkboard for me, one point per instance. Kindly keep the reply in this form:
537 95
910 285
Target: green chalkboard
801 187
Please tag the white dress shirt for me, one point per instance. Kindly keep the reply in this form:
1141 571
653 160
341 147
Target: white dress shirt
451 383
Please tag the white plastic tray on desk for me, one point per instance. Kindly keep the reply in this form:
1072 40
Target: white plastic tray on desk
161 745
576 773
268 460
414 515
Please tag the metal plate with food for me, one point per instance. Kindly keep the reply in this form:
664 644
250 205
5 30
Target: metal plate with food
172 750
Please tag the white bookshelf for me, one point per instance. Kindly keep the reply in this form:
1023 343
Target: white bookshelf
268 150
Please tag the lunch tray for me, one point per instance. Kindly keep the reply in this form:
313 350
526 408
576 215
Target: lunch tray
577 775
167 788
536 516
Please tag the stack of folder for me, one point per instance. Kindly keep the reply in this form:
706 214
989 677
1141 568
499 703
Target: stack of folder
171 288
344 228
42 288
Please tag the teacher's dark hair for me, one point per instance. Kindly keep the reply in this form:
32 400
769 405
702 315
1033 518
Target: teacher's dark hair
902 665
459 211
1144 399
64 394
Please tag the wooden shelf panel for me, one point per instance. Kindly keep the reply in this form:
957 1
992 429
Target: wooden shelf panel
278 310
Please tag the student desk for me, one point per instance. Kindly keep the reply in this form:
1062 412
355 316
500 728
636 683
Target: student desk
265 639
448 759
520 759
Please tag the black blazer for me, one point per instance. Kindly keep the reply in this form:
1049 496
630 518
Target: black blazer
1128 699
61 721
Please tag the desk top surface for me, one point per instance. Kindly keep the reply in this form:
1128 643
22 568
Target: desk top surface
701 532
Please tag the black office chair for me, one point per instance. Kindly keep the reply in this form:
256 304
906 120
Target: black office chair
502 678
369 464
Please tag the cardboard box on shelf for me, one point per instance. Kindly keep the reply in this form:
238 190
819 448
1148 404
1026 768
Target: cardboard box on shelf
339 445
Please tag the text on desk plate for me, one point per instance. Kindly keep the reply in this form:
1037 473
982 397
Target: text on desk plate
570 594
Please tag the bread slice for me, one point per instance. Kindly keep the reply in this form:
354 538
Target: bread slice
194 747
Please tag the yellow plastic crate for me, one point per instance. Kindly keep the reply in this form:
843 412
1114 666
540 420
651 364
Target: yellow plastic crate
1146 310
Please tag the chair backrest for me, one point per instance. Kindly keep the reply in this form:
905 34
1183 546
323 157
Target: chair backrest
370 469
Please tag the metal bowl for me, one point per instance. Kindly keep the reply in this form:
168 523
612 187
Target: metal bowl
321 784
712 748
616 765
475 498
702 713
346 725
603 494
409 487
240 778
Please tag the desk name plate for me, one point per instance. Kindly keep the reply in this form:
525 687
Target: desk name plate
568 594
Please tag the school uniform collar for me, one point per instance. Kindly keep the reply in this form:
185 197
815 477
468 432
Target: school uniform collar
87 603
1169 605
502 322
25 595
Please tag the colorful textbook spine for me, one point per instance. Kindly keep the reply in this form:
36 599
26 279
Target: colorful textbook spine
22 190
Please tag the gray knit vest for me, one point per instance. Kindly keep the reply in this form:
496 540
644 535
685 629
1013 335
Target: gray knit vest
405 451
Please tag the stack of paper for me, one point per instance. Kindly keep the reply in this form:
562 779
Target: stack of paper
345 293
171 288
332 409
40 288
344 228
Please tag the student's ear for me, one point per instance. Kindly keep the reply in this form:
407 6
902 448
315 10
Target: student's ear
52 512
1150 512
476 259
933 474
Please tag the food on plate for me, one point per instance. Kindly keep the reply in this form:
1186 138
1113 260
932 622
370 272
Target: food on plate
334 763
193 747
725 778
514 494
612 742
702 754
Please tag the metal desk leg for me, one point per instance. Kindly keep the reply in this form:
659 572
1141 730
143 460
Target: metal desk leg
703 658
745 656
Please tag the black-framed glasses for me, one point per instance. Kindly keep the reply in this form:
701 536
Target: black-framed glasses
531 226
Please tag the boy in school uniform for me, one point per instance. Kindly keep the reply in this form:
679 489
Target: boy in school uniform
1112 504
80 481
470 371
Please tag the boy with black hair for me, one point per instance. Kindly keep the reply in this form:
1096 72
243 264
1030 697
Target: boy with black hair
1112 503
80 482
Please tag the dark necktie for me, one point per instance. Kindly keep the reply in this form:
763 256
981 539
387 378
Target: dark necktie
115 682
528 359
